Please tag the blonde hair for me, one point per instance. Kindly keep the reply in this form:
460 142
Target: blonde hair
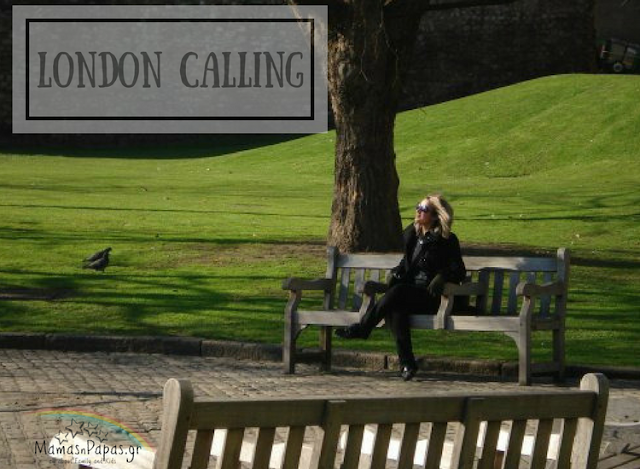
444 215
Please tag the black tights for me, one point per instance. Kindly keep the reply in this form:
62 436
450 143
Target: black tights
395 307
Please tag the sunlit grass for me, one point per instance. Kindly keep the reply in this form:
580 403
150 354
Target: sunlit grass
202 238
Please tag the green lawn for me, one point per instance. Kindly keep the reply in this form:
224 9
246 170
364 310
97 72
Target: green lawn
202 237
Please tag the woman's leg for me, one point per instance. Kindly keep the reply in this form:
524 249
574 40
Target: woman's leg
393 299
414 300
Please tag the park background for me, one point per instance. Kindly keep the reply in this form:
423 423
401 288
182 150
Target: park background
505 114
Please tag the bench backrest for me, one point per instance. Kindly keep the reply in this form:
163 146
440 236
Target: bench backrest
500 274
580 415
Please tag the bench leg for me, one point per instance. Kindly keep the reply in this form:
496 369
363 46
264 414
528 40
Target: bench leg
325 347
289 346
558 352
523 341
524 358
291 330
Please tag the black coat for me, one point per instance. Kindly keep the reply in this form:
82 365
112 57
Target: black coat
437 256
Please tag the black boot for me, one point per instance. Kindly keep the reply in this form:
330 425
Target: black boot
408 372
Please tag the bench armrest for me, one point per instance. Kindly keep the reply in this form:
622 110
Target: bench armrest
451 290
466 289
294 283
371 288
534 290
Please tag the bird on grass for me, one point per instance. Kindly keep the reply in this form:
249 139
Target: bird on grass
97 255
98 261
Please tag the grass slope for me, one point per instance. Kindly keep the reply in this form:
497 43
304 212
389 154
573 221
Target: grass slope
201 243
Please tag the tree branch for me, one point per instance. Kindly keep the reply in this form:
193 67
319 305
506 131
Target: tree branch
431 5
339 10
329 3
450 4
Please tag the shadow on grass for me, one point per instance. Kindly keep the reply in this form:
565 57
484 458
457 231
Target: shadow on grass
248 305
148 146
616 205
623 262
127 237
163 210
190 303
45 288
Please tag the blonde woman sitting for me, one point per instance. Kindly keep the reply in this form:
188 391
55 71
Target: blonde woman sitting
431 258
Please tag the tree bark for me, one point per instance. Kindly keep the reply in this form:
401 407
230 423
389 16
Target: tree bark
370 42
368 49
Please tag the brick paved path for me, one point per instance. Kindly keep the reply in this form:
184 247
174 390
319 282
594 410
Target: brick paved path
127 388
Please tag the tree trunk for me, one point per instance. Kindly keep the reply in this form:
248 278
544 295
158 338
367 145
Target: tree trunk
368 48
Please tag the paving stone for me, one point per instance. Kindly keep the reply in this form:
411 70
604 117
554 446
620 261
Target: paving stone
127 388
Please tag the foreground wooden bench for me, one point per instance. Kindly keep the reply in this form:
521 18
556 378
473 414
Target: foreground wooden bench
578 414
512 295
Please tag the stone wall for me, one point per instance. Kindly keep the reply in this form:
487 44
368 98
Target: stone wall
461 52
458 52
619 19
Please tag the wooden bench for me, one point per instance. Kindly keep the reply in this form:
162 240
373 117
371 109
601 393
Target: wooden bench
468 419
512 295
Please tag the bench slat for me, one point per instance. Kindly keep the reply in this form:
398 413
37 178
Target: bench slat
389 261
545 300
285 412
466 437
436 445
344 288
354 447
422 321
566 443
331 426
327 318
404 409
358 283
490 445
538 264
380 446
408 445
369 261
514 450
293 448
374 275
484 323
537 406
202 449
483 278
246 414
541 445
262 454
498 281
230 457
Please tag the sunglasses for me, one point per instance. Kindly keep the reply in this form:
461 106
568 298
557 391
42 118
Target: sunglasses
423 208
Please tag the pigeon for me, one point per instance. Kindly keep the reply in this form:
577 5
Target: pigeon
98 255
99 264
